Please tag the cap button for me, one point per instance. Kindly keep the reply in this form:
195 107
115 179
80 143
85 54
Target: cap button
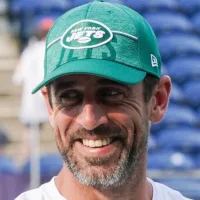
99 0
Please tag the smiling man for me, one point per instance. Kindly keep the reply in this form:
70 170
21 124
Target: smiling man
102 87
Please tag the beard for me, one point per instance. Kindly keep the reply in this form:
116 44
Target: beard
95 172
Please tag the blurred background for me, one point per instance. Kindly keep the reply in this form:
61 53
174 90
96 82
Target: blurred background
25 144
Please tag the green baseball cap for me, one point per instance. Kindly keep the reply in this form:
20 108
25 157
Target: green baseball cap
103 39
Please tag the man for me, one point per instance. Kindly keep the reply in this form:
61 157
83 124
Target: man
103 89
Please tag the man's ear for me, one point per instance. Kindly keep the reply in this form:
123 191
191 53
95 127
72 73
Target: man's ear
160 99
48 105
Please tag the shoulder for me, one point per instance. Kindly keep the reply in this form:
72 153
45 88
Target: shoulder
38 193
163 192
31 195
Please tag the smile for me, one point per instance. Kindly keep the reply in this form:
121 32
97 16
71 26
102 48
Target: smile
99 147
96 143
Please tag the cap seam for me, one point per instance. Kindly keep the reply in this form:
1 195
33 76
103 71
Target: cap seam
144 24
90 7
135 29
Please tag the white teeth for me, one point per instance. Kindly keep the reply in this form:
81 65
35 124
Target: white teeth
91 143
96 143
104 142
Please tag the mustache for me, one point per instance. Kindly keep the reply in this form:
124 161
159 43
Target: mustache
102 131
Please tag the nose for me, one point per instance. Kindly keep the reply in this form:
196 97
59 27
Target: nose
91 116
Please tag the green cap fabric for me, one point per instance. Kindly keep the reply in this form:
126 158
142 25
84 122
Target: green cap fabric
104 39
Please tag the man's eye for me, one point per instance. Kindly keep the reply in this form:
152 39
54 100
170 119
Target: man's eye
111 95
112 92
70 97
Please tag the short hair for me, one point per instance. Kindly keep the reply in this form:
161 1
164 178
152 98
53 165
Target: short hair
149 83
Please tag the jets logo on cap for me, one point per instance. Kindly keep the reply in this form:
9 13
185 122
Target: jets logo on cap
86 34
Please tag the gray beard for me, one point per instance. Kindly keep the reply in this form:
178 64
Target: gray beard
128 167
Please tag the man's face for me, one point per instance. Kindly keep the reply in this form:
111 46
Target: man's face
101 128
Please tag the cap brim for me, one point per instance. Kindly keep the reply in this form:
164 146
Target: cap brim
103 68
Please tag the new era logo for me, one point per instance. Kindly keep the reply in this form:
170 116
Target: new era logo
154 61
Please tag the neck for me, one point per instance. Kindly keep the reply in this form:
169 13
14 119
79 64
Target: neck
71 189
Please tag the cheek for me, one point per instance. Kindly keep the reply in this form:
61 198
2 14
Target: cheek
125 122
128 118
62 124
132 122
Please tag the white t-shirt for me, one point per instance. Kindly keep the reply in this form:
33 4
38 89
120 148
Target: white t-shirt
49 191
